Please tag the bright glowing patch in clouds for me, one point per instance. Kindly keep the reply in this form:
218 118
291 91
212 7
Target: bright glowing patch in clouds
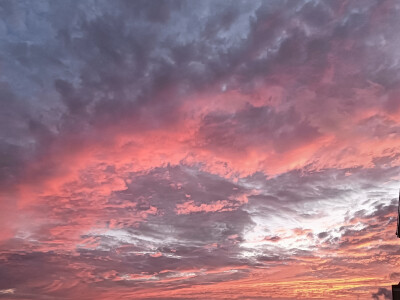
199 149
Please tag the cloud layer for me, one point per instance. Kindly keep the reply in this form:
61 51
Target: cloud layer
203 150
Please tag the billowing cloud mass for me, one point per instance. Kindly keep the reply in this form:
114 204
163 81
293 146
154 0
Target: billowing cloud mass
199 149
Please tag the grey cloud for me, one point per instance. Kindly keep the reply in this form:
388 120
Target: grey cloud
180 180
323 235
197 240
387 294
284 131
40 275
394 276
302 185
107 64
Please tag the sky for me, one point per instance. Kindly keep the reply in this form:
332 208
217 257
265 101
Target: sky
199 149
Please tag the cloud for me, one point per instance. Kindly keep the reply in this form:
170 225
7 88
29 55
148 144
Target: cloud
202 149
382 292
7 291
394 276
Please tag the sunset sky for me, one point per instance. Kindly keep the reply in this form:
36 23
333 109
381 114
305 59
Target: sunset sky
199 149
